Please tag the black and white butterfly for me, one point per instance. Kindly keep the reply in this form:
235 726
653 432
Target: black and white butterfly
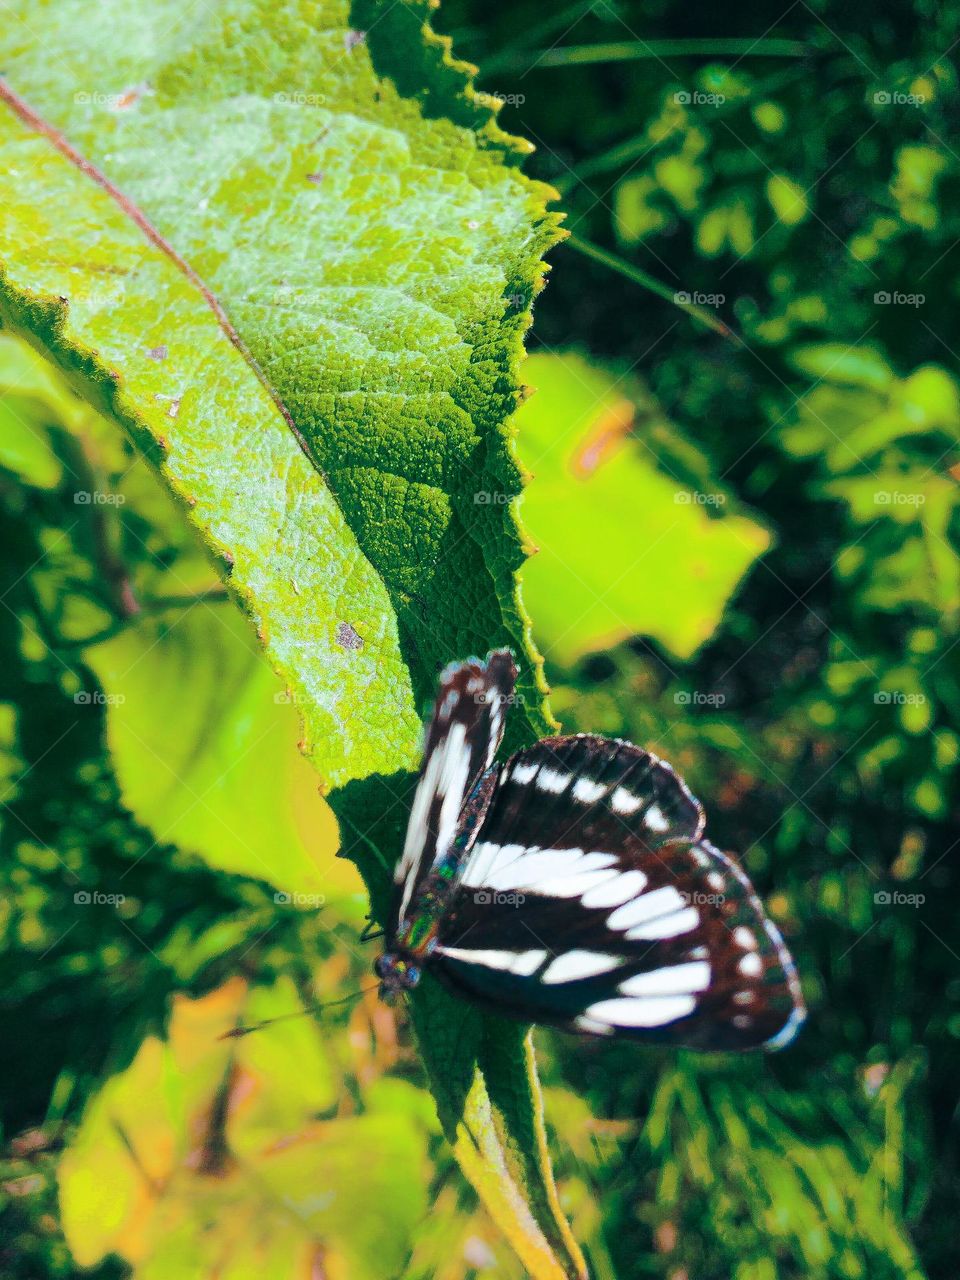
572 886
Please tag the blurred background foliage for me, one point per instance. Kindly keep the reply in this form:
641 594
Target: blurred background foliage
744 443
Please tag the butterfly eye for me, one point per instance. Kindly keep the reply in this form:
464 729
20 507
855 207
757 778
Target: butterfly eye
383 965
412 976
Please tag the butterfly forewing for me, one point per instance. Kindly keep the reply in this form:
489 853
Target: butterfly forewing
590 901
462 738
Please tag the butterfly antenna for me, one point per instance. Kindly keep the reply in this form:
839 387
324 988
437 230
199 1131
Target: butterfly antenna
238 1032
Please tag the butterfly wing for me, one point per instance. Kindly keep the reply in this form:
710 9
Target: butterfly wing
462 738
589 900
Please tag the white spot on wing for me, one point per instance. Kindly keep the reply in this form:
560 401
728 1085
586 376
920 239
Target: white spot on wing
572 886
745 938
674 980
656 819
483 857
587 791
671 926
523 773
454 776
616 891
446 776
654 1012
624 802
574 965
531 864
751 966
496 728
522 963
648 906
583 1023
553 780
548 871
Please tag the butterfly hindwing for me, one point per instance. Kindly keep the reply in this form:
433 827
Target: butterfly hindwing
590 901
463 736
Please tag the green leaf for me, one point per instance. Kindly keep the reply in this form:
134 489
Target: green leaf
231 1141
254 508
667 567
787 199
27 392
205 755
377 260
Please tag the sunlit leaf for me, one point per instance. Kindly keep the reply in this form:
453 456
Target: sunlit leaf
227 1173
623 547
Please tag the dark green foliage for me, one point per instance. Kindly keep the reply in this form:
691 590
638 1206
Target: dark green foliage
819 726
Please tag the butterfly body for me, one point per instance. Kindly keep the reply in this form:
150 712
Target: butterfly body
572 886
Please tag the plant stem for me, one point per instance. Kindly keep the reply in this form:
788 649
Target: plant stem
651 283
639 50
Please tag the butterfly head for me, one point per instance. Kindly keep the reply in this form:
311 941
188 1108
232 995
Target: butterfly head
396 974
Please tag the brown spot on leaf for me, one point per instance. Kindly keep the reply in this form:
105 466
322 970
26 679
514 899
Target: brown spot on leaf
353 38
317 177
605 437
157 353
347 637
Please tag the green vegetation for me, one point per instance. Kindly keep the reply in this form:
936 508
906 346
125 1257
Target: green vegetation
743 451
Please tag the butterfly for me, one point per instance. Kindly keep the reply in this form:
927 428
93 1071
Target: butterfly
572 886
